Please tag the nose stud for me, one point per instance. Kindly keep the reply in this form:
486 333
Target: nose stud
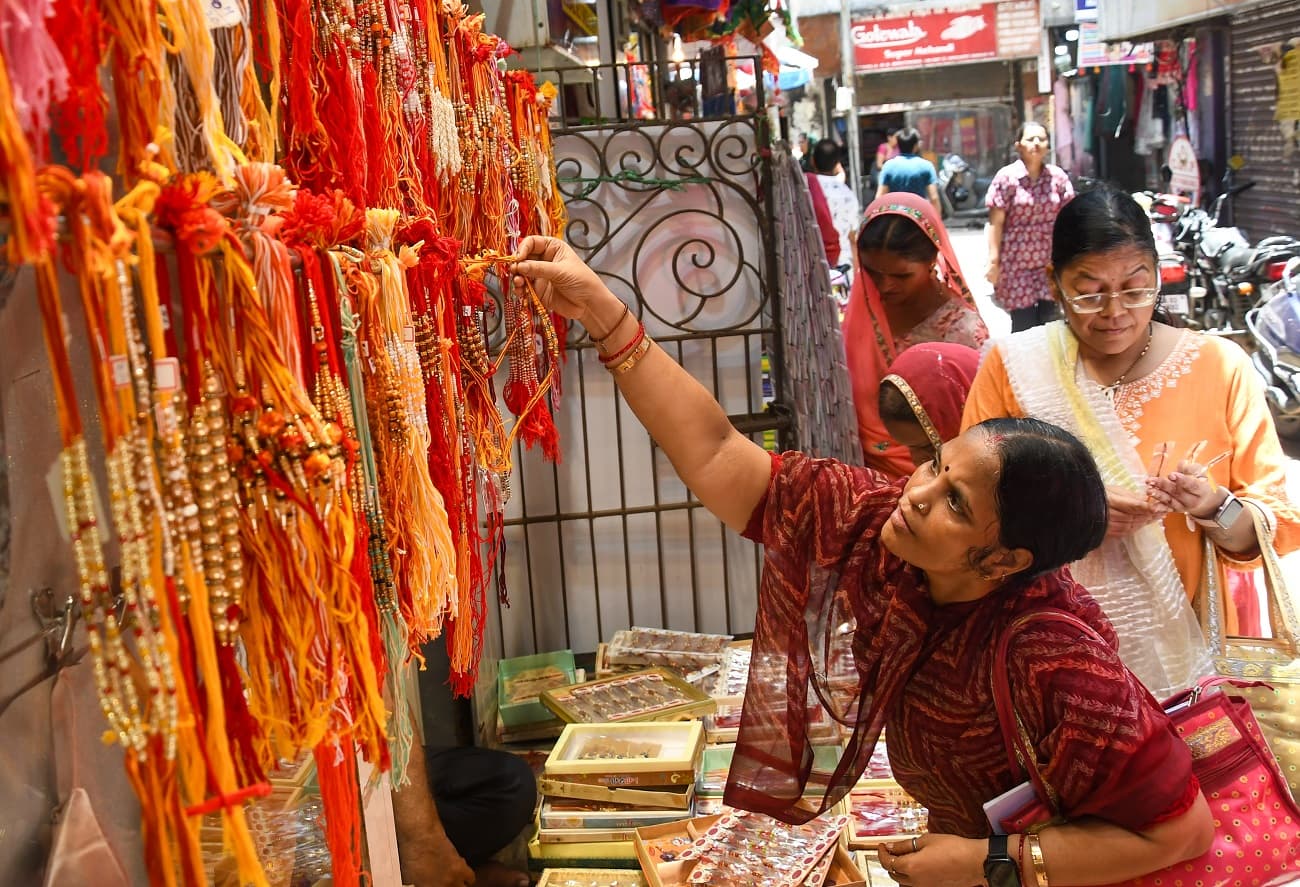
921 507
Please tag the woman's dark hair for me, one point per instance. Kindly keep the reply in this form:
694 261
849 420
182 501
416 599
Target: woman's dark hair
893 405
1102 218
908 139
1099 220
897 234
1050 497
1024 127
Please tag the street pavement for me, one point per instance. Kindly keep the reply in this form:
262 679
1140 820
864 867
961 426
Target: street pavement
971 246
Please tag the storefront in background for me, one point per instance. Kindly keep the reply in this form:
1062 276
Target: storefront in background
955 73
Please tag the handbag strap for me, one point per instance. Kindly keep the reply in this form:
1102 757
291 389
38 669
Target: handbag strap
1281 607
1020 754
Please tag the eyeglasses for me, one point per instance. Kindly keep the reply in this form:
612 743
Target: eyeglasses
1094 303
1034 140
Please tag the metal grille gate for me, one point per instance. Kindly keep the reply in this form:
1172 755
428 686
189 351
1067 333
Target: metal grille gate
676 218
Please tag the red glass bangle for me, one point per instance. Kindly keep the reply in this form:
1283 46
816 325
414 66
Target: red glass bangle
636 340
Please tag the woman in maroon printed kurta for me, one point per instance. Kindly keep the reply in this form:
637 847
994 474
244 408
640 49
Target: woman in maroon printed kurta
882 602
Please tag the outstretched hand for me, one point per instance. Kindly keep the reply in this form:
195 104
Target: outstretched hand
562 280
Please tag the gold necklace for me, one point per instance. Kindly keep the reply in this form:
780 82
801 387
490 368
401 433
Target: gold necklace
1109 390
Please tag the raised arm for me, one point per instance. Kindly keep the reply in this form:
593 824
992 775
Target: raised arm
725 470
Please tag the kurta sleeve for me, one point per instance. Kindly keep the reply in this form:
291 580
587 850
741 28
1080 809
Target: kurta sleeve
990 394
1001 191
1104 746
1256 470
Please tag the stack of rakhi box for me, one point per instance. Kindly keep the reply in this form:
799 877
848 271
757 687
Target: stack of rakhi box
602 781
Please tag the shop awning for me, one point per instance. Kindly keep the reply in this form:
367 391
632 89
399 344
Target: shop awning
1126 20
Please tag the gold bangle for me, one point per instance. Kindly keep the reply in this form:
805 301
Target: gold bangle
1040 864
634 358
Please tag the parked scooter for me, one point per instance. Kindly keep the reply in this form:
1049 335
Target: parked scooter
1275 329
961 191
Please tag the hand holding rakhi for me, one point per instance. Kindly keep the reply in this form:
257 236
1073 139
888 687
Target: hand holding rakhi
562 280
1129 512
935 861
1189 489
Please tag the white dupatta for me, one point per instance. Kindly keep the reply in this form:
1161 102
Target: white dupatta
1134 578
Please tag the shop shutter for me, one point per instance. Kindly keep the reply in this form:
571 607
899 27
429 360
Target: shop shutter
1273 205
950 83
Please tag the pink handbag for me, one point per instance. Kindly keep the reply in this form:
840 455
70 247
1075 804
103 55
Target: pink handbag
1257 821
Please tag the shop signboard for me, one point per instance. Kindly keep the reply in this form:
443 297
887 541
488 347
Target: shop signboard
1085 10
927 36
1096 53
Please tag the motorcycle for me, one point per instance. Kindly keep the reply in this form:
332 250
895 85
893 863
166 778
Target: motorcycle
961 191
1165 211
1275 330
1218 303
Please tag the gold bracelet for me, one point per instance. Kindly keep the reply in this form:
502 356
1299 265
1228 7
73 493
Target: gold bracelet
1040 864
640 351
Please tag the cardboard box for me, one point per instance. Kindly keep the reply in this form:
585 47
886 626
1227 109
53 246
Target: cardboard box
654 694
583 835
607 855
627 755
590 877
658 873
520 682
565 813
895 816
670 798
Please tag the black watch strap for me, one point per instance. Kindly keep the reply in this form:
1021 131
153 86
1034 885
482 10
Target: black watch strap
998 849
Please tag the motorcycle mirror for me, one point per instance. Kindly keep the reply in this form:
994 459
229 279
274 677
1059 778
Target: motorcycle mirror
1236 161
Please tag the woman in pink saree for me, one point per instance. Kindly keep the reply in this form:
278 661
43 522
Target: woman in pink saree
908 289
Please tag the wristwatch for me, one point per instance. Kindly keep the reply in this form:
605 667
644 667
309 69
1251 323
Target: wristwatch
1000 870
1226 515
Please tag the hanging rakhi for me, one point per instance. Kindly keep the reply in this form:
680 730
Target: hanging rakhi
264 192
451 455
301 591
136 64
322 132
198 128
136 672
197 658
440 139
32 217
79 118
182 210
37 73
421 548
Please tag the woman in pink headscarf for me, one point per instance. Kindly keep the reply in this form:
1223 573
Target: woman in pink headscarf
909 289
921 399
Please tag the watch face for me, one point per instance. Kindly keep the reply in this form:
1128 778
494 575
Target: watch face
1001 873
1228 515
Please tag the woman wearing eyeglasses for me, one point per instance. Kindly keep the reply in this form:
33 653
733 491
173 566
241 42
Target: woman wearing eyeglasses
1176 420
1023 201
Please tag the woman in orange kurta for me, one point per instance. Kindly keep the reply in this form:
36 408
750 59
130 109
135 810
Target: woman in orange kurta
1151 401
